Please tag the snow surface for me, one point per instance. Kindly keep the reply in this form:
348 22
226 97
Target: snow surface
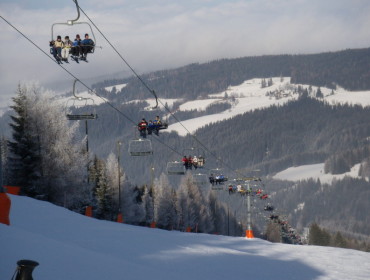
314 171
250 96
74 247
152 103
118 87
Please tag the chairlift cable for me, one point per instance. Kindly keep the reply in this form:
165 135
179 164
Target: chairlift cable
84 84
123 59
105 100
152 91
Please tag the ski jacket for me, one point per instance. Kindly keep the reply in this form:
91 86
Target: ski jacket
67 44
87 42
57 44
76 43
142 125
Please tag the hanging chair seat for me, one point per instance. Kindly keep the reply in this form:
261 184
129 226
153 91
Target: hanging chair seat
140 147
175 168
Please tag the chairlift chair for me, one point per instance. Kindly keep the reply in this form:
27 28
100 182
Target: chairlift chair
73 22
195 152
78 102
175 168
140 147
218 172
200 179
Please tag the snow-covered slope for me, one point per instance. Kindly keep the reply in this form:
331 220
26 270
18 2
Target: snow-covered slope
314 171
249 96
71 246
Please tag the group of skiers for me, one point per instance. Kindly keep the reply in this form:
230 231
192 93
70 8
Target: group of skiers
78 48
218 179
242 191
145 127
190 162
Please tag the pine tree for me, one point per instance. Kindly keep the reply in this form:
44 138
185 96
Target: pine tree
148 205
339 241
24 159
103 193
44 159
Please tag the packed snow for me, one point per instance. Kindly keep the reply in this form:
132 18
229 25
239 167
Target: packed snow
74 247
314 171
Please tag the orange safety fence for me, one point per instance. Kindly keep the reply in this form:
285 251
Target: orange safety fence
5 204
249 233
13 189
88 211
119 218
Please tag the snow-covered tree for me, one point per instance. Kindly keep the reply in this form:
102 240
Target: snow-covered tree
192 206
112 172
148 205
44 152
165 213
103 191
24 159
132 206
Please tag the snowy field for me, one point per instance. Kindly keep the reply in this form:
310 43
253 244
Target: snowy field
314 171
74 247
250 96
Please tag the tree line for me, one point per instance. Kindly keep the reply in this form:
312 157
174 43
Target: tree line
347 69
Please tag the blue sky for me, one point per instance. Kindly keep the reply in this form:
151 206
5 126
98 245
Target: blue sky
161 34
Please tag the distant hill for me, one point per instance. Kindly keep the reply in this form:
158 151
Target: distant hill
348 69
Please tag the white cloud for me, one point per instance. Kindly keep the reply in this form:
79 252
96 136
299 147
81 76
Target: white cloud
157 34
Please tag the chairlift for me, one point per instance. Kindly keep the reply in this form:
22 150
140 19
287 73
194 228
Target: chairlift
78 102
72 22
175 168
197 155
218 175
200 179
140 147
153 114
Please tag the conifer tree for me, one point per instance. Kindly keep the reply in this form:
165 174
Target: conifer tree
148 205
165 213
44 158
24 159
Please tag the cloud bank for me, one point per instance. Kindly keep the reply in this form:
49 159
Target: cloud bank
161 34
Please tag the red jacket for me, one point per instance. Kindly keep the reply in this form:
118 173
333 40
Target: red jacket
142 125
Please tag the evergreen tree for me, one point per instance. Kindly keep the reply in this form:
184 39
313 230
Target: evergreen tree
192 206
319 93
165 213
44 156
24 159
112 173
103 192
339 241
148 205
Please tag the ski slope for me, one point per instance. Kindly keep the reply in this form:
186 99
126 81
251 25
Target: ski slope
74 247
